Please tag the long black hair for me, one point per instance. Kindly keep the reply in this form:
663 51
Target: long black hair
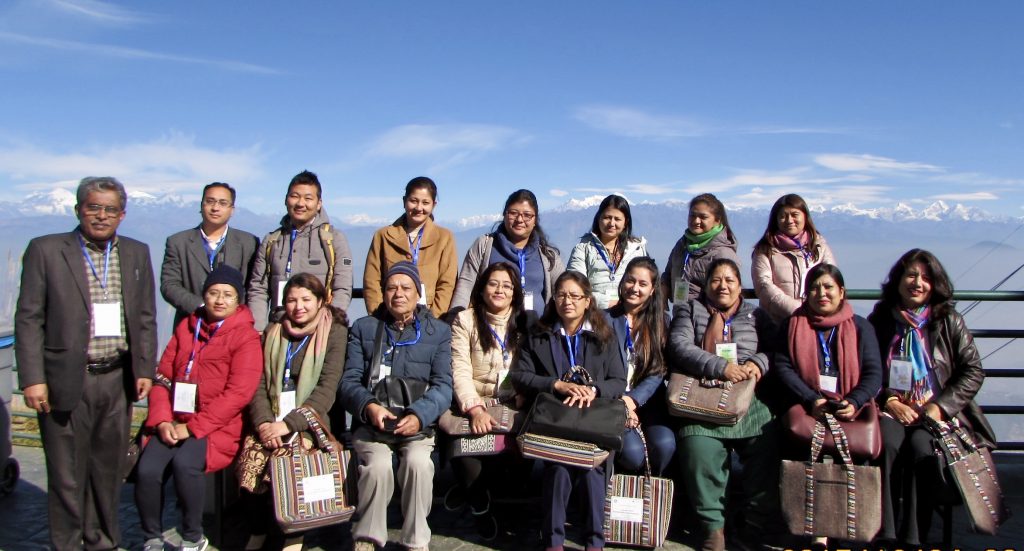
518 196
941 300
648 330
793 201
593 314
619 203
717 208
476 302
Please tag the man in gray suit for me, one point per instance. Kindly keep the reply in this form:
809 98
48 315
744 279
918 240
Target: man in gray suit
190 255
86 349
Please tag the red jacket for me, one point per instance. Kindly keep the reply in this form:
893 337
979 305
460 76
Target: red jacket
226 370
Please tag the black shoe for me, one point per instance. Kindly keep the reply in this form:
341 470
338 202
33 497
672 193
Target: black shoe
486 525
455 498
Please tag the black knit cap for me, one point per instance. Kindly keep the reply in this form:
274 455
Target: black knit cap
227 275
407 268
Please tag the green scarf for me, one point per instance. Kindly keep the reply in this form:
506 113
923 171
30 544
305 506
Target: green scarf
698 242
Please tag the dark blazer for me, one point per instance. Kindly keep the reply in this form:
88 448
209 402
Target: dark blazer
957 367
52 319
541 361
186 266
650 384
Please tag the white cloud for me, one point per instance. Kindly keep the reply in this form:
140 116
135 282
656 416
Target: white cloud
422 140
976 196
98 11
633 123
171 164
642 189
798 176
558 192
133 53
848 162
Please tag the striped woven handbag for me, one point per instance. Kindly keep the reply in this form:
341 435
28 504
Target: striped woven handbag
637 509
560 450
308 486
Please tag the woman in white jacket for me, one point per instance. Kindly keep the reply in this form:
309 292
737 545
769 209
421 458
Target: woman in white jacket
790 247
603 253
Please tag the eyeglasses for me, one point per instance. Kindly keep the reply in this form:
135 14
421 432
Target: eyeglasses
93 209
566 297
493 284
526 216
214 296
222 203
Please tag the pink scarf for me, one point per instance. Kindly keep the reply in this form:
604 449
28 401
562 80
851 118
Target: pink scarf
803 346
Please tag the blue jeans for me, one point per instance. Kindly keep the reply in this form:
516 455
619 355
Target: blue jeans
661 446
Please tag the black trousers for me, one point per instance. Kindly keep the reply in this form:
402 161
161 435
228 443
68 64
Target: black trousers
558 484
85 451
187 463
910 481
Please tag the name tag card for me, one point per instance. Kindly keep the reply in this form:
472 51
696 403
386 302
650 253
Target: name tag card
318 488
184 397
285 403
423 294
528 301
280 293
107 319
828 383
726 351
680 291
385 371
901 374
628 509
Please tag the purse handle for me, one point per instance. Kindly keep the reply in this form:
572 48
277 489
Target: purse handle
323 440
647 458
843 446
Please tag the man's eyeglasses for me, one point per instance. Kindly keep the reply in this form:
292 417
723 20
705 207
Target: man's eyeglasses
222 203
93 210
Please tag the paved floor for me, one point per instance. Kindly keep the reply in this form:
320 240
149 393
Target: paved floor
23 519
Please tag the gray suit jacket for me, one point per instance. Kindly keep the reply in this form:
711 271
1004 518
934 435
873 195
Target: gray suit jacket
52 319
186 266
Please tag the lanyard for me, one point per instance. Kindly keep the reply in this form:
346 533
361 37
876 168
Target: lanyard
391 341
211 252
521 253
501 342
289 354
629 337
416 251
573 347
686 260
196 349
826 348
291 245
604 257
727 327
92 265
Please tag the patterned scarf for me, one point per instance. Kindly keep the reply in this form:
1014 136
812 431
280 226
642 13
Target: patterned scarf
696 242
275 346
804 347
784 242
911 344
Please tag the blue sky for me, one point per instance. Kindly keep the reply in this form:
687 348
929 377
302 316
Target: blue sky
866 102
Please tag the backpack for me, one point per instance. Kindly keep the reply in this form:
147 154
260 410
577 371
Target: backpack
326 241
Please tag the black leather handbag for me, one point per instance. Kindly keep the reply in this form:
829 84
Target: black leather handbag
395 393
601 424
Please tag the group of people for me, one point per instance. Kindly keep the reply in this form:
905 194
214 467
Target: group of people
261 337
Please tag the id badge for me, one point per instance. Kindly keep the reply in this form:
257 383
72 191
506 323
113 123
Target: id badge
385 371
423 294
681 291
107 318
285 404
504 387
184 397
280 293
828 383
726 351
528 301
630 369
901 374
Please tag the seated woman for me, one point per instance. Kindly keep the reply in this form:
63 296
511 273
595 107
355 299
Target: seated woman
401 343
303 356
640 328
214 359
790 246
720 336
603 253
932 369
826 352
572 332
485 339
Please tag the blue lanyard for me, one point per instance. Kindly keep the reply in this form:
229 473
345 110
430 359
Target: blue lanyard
291 245
686 260
416 251
611 267
501 343
727 327
521 253
391 341
573 348
92 265
289 354
826 348
211 252
195 346
629 337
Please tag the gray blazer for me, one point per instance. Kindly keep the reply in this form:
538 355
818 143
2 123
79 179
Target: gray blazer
52 319
186 266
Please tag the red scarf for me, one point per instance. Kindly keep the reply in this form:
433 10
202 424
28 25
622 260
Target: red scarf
803 346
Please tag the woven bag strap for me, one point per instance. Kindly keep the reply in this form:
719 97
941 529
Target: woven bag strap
317 428
843 445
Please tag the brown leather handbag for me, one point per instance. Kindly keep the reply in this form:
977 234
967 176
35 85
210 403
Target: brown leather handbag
835 500
508 419
709 400
864 432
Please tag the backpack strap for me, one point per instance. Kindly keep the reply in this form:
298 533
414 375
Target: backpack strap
267 248
327 242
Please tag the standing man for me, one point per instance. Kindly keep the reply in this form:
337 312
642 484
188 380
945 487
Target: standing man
305 242
191 255
86 349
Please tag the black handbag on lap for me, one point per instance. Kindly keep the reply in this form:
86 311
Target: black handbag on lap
395 393
601 424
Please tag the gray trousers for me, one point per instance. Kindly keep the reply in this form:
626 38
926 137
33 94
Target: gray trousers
377 485
85 450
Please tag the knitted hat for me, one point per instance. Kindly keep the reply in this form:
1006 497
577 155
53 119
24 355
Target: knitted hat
227 275
407 268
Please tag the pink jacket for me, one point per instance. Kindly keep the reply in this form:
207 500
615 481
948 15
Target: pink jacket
779 276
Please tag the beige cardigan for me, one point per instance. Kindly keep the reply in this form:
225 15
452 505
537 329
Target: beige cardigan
475 374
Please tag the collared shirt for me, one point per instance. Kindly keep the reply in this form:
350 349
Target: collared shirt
104 348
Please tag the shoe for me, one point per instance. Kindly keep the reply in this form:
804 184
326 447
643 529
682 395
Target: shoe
255 542
819 544
424 548
455 498
555 548
486 525
153 544
714 541
363 545
200 545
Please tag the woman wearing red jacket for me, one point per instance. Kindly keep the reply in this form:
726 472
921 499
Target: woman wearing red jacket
214 360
